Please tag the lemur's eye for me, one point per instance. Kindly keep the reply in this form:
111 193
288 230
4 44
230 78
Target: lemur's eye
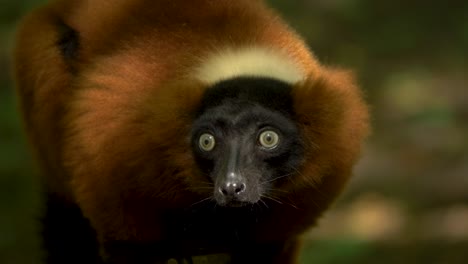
268 139
206 142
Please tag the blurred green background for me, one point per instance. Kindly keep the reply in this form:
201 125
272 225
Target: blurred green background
408 201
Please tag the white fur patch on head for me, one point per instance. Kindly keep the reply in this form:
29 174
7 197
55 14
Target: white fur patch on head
252 61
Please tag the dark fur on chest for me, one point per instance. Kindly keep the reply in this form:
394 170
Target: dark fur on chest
206 231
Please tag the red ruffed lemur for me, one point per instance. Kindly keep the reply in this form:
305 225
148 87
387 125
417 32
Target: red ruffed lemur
173 130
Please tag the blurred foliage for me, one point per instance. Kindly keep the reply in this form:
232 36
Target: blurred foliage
407 203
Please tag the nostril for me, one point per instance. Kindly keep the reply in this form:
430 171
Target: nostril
223 191
232 189
240 188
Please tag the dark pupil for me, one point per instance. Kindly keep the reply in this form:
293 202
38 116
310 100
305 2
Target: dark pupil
268 138
206 142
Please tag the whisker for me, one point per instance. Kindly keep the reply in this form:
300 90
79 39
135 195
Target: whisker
273 199
199 188
263 202
296 170
277 178
202 200
206 183
320 192
276 190
278 200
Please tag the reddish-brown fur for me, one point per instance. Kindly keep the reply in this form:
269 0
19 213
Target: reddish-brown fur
112 134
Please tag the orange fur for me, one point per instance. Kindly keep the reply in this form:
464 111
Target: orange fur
113 137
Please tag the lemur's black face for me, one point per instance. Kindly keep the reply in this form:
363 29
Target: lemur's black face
245 139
